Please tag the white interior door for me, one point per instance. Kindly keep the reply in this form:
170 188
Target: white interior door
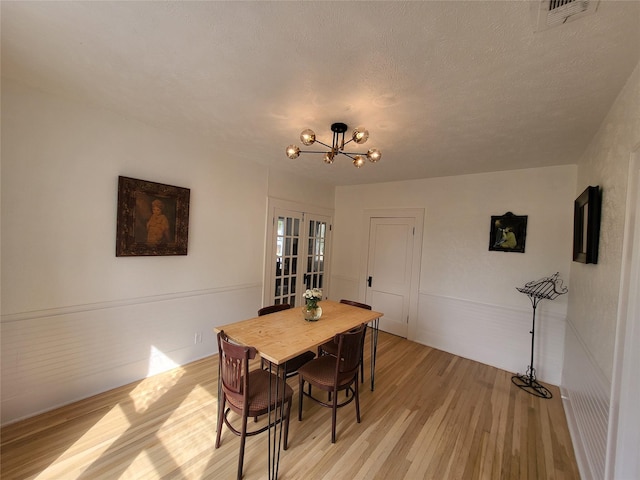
389 271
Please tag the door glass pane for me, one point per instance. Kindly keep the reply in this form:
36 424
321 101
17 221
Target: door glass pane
287 238
315 254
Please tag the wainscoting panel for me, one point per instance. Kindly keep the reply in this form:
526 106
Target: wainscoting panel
54 357
493 334
586 393
344 287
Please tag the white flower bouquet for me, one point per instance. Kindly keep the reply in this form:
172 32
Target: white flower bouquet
312 297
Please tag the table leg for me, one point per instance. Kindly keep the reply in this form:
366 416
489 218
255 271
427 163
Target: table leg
273 456
374 349
219 389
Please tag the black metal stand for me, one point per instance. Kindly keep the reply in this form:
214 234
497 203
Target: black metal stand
547 288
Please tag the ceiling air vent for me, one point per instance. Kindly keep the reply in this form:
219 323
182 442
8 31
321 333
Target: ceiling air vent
552 13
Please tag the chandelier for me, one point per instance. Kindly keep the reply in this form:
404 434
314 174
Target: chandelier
359 135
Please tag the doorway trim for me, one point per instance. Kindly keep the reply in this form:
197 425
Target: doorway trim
418 215
622 411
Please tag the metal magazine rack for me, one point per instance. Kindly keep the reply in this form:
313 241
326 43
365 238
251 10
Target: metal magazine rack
548 288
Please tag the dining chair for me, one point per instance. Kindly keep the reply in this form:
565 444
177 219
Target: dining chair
292 365
247 393
330 348
333 374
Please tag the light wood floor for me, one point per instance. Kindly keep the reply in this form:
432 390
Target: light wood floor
432 416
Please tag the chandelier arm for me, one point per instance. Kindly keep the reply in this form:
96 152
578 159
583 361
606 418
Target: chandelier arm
350 154
348 141
313 151
324 144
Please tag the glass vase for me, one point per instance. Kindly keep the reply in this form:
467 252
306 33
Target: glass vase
311 314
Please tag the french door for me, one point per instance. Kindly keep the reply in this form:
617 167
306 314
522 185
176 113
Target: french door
297 257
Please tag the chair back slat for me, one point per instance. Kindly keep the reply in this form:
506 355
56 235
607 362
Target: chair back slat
350 346
234 364
356 304
273 309
232 374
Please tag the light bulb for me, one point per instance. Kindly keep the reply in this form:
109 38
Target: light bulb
374 155
308 136
328 158
360 135
358 161
293 152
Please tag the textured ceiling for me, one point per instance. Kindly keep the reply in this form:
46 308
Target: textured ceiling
445 88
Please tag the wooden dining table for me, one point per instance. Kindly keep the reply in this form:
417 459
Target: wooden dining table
280 336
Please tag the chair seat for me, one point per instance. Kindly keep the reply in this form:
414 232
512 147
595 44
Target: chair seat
259 393
321 371
329 348
292 365
296 362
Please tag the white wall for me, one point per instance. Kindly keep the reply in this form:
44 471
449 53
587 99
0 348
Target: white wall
76 320
593 303
285 186
593 308
468 302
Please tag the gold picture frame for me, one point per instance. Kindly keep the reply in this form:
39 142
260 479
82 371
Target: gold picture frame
152 218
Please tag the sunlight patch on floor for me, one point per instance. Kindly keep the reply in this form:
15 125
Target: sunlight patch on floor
201 428
159 362
90 446
149 390
142 463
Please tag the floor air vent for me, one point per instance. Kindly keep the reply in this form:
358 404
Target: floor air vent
552 13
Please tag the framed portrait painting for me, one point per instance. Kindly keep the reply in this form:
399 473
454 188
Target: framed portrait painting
152 218
508 233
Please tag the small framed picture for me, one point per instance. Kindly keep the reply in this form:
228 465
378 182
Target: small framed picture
508 233
586 225
152 218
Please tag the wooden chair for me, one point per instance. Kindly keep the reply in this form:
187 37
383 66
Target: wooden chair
334 374
247 393
291 366
273 309
330 348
